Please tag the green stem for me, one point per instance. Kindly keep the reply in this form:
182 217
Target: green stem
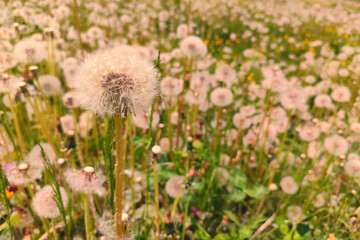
88 225
120 139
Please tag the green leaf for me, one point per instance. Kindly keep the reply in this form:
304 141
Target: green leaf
245 232
201 232
284 228
222 236
238 179
237 195
232 217
257 191
302 229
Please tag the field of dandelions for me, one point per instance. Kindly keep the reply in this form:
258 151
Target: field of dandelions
170 119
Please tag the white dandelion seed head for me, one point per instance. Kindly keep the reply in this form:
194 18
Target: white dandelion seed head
221 97
30 51
35 159
86 180
341 94
70 100
67 122
114 80
352 168
336 145
170 86
23 174
44 204
309 133
193 47
288 185
50 85
174 185
294 213
7 61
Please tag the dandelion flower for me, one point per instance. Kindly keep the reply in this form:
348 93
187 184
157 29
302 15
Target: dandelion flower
221 97
116 80
30 51
341 94
51 85
352 168
319 200
323 100
44 204
336 145
309 133
170 86
23 174
174 185
34 158
67 123
288 185
70 100
193 47
225 73
85 180
294 213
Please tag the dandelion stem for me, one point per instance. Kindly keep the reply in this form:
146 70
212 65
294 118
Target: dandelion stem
156 182
88 225
120 140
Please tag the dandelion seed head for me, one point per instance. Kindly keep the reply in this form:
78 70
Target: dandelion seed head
193 47
44 204
336 145
23 174
174 185
85 180
34 158
50 85
221 97
30 51
288 185
116 80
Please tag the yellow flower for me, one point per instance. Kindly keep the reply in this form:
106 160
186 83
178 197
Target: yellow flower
9 194
332 236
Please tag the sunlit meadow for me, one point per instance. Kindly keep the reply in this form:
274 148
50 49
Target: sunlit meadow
171 119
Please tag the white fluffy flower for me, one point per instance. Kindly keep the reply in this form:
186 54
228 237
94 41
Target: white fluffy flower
288 185
85 180
352 168
115 80
44 204
221 97
51 85
30 51
173 186
341 94
336 145
171 86
193 47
